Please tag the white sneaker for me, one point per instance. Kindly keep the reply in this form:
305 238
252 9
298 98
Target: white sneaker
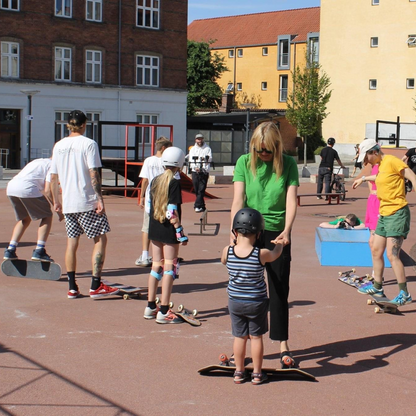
169 318
198 209
150 313
143 263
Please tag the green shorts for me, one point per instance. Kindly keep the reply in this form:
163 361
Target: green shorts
395 225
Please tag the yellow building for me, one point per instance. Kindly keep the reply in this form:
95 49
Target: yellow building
367 48
260 51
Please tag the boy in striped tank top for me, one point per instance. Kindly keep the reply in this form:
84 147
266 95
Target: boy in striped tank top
248 302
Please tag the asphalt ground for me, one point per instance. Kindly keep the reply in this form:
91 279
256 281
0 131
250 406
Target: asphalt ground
100 357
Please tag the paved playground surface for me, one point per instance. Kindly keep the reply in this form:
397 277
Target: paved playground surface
100 357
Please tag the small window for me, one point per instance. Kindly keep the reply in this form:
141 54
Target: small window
411 41
283 88
375 2
239 86
63 8
373 84
374 42
265 51
231 53
93 64
63 57
410 82
10 5
94 10
147 71
148 13
230 87
264 86
240 53
9 60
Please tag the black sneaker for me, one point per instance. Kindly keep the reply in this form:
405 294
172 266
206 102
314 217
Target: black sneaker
39 254
9 254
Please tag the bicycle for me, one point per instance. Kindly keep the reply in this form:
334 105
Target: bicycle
337 185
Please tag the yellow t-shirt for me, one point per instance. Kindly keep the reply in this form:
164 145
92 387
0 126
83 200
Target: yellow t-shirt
390 185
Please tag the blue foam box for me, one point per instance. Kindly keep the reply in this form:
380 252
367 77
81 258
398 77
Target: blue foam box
336 247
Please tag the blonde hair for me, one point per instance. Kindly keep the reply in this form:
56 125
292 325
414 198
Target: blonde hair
161 142
269 135
160 192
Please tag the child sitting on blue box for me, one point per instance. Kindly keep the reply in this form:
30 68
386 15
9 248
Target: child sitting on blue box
349 222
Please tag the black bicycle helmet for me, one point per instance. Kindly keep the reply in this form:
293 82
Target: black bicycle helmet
331 141
248 219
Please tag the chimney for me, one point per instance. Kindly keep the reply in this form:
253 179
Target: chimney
227 103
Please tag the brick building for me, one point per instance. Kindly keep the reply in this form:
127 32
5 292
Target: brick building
119 60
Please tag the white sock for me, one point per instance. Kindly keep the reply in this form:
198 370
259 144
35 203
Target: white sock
145 255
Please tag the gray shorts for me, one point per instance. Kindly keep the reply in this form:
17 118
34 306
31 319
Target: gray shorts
145 228
248 318
35 208
88 222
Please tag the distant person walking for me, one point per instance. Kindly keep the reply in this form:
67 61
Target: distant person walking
357 164
75 165
328 156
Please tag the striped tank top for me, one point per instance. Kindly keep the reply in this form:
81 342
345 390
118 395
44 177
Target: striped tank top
246 276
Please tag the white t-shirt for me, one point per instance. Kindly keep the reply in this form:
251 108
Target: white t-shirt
30 181
201 153
72 159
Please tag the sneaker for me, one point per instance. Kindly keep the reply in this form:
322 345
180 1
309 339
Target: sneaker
169 318
39 254
73 294
318 197
371 290
143 262
102 291
150 313
199 209
402 299
9 254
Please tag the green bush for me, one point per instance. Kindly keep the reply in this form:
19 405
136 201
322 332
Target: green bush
317 151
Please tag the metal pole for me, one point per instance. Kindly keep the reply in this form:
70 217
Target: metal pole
29 128
247 129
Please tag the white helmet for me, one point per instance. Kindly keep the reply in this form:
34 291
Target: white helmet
173 156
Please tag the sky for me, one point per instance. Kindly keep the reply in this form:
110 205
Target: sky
204 9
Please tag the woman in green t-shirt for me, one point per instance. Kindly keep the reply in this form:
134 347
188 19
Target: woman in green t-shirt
267 180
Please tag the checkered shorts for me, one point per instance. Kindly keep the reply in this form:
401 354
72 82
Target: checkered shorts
88 222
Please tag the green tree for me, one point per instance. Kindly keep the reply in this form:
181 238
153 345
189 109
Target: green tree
306 104
204 69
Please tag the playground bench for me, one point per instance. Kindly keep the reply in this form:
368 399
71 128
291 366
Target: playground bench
329 196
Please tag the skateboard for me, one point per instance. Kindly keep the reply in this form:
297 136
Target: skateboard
225 367
350 278
188 316
31 269
126 291
383 305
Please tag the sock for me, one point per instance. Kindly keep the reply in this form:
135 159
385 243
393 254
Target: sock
71 280
151 305
95 282
403 286
13 245
164 309
40 244
378 285
145 255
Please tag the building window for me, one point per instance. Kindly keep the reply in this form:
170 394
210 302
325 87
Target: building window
239 86
284 80
148 12
144 134
92 125
230 87
62 64
61 120
264 86
375 2
231 53
10 5
94 10
265 51
93 64
411 41
9 60
147 71
373 84
240 53
410 82
63 8
374 42
313 47
283 52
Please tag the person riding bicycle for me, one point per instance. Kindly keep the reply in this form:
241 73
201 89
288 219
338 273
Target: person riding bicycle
328 155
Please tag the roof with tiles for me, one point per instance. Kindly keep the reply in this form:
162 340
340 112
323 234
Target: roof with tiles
255 29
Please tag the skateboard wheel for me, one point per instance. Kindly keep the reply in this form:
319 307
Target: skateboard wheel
126 297
369 302
377 309
180 308
171 305
223 358
288 361
157 300
195 312
339 273
353 270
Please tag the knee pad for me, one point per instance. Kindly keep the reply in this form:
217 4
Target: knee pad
174 271
157 274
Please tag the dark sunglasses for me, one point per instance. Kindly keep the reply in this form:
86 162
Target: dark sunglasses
269 152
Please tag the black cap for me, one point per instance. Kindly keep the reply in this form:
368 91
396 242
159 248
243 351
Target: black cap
77 115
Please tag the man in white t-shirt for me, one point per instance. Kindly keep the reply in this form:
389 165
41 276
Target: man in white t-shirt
152 167
75 164
30 195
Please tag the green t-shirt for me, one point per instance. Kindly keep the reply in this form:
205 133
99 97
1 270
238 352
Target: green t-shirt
338 220
263 192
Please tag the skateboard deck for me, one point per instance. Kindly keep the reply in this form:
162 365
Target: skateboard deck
188 316
125 291
383 305
31 269
355 280
277 372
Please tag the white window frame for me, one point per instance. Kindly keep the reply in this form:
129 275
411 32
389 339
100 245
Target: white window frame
61 130
410 82
62 12
145 132
153 11
372 84
7 60
9 5
313 47
264 85
240 53
283 57
93 117
63 60
283 90
94 66
374 42
239 86
150 69
265 51
96 9
231 53
411 41
375 2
